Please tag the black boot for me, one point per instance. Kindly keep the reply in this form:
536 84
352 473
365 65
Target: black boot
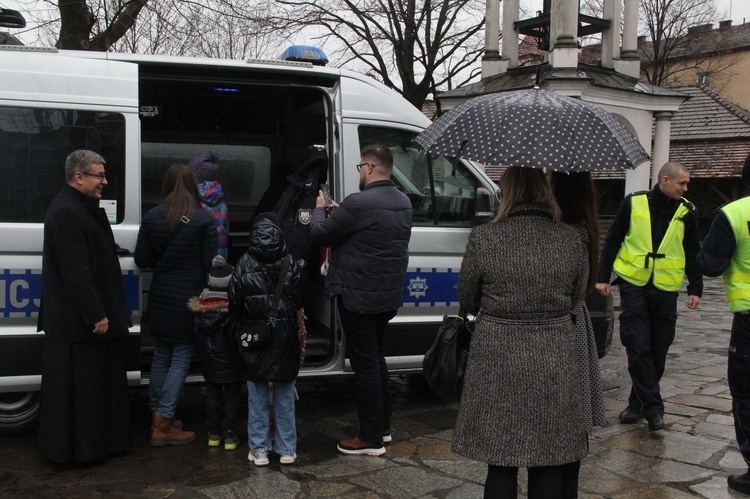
740 483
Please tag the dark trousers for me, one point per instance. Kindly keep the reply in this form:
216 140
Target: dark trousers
365 336
545 482
739 381
223 404
647 329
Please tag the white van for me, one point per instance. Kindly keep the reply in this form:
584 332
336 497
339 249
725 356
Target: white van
143 113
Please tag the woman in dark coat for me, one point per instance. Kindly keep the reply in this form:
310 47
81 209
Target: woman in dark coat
178 240
522 275
576 195
251 293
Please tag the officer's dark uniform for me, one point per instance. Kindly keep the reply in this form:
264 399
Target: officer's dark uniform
726 252
649 314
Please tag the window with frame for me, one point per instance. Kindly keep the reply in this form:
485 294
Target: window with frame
442 190
35 143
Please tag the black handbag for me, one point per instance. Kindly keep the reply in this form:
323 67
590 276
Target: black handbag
257 334
444 364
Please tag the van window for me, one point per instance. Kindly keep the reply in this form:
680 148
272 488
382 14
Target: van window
243 171
34 144
441 189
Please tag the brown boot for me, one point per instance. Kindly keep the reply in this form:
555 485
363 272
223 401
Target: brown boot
175 422
164 432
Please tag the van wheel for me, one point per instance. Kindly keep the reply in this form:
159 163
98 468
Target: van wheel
19 412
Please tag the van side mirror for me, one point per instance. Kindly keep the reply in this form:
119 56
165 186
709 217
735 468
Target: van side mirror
486 203
11 19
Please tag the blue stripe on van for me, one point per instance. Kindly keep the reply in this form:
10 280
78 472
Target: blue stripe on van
21 291
426 287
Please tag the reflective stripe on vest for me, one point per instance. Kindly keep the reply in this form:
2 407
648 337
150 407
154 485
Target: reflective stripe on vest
736 277
636 260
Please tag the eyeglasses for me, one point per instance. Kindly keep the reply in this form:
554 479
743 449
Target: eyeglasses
101 176
359 166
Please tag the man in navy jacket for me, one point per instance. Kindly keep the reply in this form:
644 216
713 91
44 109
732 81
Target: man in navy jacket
369 235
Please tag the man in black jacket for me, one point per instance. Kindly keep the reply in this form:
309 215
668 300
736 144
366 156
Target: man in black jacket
726 252
85 318
651 245
369 235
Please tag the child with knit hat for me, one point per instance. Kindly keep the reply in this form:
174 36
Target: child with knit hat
204 168
219 357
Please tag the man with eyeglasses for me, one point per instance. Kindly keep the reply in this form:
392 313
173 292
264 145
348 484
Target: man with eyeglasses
369 236
84 415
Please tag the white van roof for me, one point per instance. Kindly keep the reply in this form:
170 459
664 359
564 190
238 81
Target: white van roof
362 97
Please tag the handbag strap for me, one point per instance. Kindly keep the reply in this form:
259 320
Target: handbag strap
165 245
279 288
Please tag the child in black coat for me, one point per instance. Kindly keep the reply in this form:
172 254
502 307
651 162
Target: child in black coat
219 357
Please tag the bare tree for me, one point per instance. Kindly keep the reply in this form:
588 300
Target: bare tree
416 48
680 40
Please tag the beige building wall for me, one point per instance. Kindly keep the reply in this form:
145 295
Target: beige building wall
728 75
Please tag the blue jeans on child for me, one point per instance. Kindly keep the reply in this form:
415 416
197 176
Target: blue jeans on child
169 369
258 425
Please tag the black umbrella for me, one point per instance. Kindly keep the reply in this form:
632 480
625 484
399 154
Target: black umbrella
534 128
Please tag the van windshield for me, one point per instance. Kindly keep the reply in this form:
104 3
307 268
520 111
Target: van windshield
442 189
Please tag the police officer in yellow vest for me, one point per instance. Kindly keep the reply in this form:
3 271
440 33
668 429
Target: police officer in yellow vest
651 245
726 252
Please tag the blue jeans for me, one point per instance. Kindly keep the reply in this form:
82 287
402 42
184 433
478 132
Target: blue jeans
365 338
258 427
169 369
647 329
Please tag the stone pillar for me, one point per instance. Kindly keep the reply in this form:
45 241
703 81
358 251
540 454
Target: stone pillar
564 34
491 64
629 63
662 133
611 37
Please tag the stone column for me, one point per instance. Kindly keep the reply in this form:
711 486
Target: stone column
491 64
662 133
629 63
611 37
564 33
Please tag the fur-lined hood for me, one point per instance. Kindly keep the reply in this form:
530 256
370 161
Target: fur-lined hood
198 306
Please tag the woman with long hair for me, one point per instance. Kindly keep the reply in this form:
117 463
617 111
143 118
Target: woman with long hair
178 240
521 276
576 195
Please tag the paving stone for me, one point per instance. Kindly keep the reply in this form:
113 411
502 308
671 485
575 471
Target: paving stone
716 488
703 401
405 482
668 445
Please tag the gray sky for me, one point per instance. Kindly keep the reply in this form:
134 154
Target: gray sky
740 9
737 10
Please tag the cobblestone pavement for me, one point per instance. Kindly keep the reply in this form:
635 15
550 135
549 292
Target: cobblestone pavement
690 458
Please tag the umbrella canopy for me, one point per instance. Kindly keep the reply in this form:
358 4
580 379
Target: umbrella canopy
534 128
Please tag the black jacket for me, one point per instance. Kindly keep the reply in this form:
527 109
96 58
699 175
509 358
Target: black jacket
220 360
251 291
718 246
81 275
179 274
662 209
369 237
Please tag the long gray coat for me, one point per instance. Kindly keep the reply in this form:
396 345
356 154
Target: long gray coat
521 404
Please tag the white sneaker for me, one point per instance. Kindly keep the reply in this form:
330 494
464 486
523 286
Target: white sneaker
259 458
288 458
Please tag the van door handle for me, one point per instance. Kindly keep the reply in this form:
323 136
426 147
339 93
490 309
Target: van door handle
121 251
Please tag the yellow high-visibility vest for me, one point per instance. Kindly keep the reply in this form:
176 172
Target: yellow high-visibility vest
637 262
736 277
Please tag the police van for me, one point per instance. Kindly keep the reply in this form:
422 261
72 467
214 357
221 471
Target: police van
143 113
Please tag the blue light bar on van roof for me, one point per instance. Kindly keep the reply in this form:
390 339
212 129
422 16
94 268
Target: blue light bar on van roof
227 90
305 53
